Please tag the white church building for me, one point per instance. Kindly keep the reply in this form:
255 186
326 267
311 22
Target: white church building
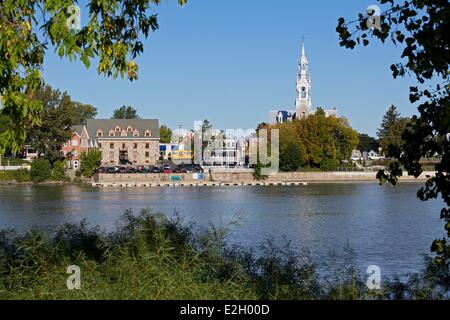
303 102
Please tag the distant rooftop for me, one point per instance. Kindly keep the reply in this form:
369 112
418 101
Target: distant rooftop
106 125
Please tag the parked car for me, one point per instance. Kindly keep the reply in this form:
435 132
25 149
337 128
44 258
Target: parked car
143 170
110 170
131 170
121 169
155 170
184 168
178 170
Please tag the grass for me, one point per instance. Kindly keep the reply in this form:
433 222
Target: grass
151 257
7 176
13 162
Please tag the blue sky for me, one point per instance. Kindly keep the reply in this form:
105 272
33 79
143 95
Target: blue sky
233 61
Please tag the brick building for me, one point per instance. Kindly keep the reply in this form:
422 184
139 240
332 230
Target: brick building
121 141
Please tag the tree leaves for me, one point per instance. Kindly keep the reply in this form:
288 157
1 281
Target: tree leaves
113 34
421 28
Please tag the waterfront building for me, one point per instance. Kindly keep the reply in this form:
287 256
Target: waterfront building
79 142
121 141
231 153
303 101
29 153
178 153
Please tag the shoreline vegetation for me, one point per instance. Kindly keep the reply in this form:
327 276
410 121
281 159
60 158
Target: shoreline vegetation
150 256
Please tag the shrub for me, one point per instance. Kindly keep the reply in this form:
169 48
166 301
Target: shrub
257 173
22 175
59 171
152 257
40 170
328 164
90 161
6 175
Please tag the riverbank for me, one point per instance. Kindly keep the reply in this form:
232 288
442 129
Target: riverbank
239 178
151 257
45 183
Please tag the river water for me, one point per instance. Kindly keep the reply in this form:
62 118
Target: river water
385 226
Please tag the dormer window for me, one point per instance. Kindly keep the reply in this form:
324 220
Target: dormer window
148 133
124 133
99 133
129 129
135 133
117 129
112 133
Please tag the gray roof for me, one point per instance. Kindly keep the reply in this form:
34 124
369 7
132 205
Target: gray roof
78 129
93 125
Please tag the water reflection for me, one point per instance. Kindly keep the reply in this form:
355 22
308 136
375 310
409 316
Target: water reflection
385 226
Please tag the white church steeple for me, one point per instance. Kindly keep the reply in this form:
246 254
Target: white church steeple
303 103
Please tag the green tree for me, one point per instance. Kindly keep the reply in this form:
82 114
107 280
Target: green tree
112 37
125 112
291 158
391 117
90 161
420 28
317 141
393 136
367 143
81 112
40 170
4 123
54 129
206 133
165 134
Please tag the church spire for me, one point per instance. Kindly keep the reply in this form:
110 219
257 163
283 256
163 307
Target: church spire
303 102
303 64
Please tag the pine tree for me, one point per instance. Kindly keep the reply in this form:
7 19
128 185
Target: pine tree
389 119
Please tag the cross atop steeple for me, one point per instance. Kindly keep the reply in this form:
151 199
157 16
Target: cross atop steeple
303 64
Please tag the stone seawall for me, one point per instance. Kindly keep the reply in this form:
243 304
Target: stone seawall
244 177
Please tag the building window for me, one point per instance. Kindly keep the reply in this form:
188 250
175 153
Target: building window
147 161
118 129
111 157
100 145
124 145
303 93
124 133
99 133
147 133
135 133
147 154
112 133
74 143
135 146
147 146
111 145
129 129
